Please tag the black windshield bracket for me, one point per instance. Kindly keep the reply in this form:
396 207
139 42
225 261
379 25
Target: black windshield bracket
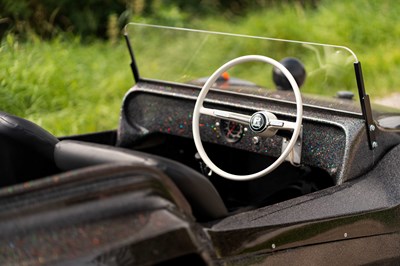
134 68
366 107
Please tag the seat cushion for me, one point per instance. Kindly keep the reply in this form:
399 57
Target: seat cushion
198 190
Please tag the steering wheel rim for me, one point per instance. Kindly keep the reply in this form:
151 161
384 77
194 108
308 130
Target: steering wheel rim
199 109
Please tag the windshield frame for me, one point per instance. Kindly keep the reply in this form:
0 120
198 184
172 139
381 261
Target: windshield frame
366 112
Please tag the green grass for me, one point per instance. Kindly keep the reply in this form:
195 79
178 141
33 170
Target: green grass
370 28
69 87
64 86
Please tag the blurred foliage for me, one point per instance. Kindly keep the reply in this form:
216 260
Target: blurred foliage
51 74
63 85
46 18
102 18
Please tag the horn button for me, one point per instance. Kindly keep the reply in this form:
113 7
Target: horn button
260 122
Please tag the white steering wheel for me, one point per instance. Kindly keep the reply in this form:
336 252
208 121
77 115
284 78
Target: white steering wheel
263 123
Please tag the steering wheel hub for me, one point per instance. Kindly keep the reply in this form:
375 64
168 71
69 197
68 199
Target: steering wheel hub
258 122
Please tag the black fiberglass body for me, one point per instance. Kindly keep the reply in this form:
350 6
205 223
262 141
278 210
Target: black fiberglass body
147 194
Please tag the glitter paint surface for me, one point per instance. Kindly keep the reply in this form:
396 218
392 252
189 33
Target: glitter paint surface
333 141
88 243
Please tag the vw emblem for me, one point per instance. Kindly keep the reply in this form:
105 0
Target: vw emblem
258 122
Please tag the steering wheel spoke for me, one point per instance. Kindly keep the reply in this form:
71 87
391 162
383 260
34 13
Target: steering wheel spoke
231 116
281 124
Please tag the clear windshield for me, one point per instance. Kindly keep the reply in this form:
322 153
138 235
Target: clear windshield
190 56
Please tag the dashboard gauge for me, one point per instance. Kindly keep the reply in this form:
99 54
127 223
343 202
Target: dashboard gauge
232 131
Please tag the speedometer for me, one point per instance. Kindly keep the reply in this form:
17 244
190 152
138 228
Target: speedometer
232 131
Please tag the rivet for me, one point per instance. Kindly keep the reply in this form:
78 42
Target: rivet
374 144
371 128
256 140
345 235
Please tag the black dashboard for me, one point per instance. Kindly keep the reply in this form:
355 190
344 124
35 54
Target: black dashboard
328 136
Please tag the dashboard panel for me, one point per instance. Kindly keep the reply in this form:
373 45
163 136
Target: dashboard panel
155 108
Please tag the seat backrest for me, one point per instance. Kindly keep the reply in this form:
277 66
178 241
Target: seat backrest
26 151
198 190
27 133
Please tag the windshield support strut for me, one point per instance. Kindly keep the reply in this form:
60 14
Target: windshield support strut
365 107
134 68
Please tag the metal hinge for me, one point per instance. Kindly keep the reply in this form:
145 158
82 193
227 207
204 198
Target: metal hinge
294 156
